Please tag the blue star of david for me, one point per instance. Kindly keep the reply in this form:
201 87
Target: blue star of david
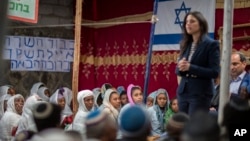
178 11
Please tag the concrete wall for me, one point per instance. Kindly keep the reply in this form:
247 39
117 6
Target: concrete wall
51 12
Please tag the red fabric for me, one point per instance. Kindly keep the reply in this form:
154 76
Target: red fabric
122 40
240 17
107 9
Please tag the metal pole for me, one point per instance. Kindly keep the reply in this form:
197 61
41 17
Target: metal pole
3 15
148 63
226 56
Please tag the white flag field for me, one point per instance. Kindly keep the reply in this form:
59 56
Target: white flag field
168 33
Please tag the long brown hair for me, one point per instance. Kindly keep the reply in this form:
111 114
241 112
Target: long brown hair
187 38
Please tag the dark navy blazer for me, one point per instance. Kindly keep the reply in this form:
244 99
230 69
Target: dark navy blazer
204 67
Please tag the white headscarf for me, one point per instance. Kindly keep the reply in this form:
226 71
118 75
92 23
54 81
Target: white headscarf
35 87
4 90
2 99
27 122
41 93
68 95
54 99
10 119
108 107
79 120
97 93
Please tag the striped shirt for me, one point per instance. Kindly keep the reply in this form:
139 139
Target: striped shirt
192 50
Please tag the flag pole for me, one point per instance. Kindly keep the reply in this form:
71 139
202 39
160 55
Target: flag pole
226 56
77 45
151 41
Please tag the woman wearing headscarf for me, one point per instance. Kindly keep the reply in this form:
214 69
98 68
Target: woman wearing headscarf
60 98
97 97
104 88
157 112
112 104
172 109
68 97
26 122
135 97
3 104
150 99
10 119
7 89
44 93
85 99
35 87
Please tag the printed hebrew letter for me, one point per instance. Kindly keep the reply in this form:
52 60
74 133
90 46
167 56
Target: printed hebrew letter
71 44
19 53
19 5
60 66
62 44
17 63
50 65
66 65
29 41
52 42
7 42
39 42
40 51
13 64
19 39
29 54
43 62
28 64
36 64
49 52
12 5
26 8
7 54
70 55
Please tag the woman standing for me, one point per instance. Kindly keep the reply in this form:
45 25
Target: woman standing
198 64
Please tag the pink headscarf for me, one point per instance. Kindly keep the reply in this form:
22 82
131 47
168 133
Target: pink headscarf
129 93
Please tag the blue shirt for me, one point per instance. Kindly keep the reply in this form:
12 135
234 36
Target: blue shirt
235 84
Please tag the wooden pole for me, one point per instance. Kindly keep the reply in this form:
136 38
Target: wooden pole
78 22
226 56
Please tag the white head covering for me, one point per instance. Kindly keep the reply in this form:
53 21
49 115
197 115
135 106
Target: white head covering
41 93
10 119
27 122
35 87
80 97
79 120
4 90
97 93
54 99
11 103
68 95
107 104
2 99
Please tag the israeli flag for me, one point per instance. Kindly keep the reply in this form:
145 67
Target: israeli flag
167 34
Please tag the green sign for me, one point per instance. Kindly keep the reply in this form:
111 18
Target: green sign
23 10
